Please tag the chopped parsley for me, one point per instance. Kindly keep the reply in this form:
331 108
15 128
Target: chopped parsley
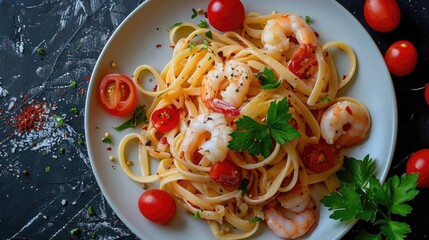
41 51
62 150
90 211
107 140
243 186
80 142
139 116
59 120
78 47
47 169
191 46
176 25
196 215
209 34
194 13
255 138
74 110
308 19
73 84
203 24
75 231
361 196
255 219
267 79
325 99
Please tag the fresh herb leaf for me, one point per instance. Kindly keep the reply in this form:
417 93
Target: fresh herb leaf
209 34
90 211
139 116
74 110
325 99
243 186
41 51
194 13
73 84
47 169
107 140
59 120
75 231
196 215
78 47
62 150
267 79
255 219
80 142
308 19
361 196
203 24
255 138
94 234
176 25
191 46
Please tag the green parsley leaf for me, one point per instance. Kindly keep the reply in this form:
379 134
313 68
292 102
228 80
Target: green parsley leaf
176 25
139 116
203 24
62 150
107 140
255 219
191 46
194 13
209 34
41 51
255 138
47 169
394 229
325 99
73 84
243 186
78 47
196 215
59 120
90 211
94 234
74 110
80 142
308 19
267 79
401 190
75 231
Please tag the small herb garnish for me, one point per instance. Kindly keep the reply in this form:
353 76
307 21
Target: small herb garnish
62 150
47 169
209 34
176 24
255 219
191 46
194 13
80 142
255 138
139 116
267 79
203 24
74 110
78 47
361 196
41 51
75 231
94 234
196 215
243 186
73 84
308 19
107 140
325 99
90 211
59 120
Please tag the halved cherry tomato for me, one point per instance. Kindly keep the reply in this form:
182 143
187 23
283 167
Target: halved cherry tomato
165 119
157 206
419 163
382 15
318 157
226 15
401 58
117 94
226 173
427 94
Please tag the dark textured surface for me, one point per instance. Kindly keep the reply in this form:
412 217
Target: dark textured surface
46 204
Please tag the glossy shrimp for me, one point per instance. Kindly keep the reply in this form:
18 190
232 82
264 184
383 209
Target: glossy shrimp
277 34
296 215
216 147
227 101
345 123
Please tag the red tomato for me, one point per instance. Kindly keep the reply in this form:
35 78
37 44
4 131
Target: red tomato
157 205
165 119
117 94
401 58
226 15
382 15
427 94
419 163
226 173
318 157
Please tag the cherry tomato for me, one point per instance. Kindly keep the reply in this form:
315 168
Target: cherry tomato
419 163
157 206
427 94
226 15
382 15
401 58
165 119
318 157
226 173
117 94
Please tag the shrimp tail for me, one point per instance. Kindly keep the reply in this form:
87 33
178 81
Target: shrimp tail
300 58
224 107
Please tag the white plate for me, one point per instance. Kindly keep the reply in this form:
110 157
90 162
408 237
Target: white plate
134 43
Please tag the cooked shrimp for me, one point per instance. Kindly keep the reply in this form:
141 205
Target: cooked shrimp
276 37
345 123
216 148
238 76
295 217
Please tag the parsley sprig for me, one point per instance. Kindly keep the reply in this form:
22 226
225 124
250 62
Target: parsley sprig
361 196
139 116
255 138
267 79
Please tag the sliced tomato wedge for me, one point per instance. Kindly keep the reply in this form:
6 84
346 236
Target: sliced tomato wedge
165 119
117 94
318 157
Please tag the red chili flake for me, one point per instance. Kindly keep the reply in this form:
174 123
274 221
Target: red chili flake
344 77
163 140
172 46
317 34
349 110
346 126
109 148
31 117
154 88
88 77
158 45
315 64
82 91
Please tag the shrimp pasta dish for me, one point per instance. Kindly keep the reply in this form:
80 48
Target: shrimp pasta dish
246 127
